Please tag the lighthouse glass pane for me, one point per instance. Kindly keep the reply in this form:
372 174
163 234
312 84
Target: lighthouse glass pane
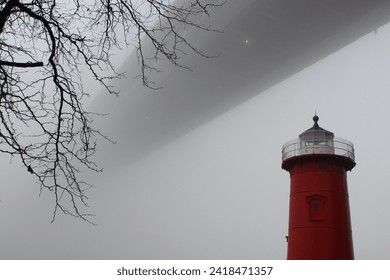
316 138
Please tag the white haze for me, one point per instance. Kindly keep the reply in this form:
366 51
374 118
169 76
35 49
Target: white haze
218 192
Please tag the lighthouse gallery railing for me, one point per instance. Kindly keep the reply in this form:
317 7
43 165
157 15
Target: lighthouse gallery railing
338 146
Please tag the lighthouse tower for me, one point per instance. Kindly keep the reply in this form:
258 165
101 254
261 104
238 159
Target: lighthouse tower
319 217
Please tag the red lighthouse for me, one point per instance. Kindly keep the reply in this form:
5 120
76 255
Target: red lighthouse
319 217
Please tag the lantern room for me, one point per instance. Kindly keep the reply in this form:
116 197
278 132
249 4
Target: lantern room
318 141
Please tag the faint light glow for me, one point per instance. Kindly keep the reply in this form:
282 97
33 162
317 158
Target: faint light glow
246 41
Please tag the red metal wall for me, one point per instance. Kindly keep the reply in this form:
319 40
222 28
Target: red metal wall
319 217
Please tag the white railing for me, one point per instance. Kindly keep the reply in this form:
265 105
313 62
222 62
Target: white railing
338 146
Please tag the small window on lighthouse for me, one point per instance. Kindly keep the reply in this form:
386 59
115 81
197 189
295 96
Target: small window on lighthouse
316 207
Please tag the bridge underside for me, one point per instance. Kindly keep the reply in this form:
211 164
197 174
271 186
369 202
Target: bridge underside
263 43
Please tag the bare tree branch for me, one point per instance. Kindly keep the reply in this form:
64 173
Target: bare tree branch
42 119
21 64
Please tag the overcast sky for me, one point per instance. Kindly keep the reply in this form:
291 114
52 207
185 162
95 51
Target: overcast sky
218 192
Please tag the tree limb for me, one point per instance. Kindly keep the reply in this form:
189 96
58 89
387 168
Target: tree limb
21 64
42 119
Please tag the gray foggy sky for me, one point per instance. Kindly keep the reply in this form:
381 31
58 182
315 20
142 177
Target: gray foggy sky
218 191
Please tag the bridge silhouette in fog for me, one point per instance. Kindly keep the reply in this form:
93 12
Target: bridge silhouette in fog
262 44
